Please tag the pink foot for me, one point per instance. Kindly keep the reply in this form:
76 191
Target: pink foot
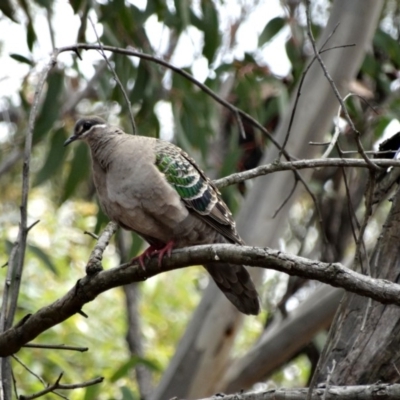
146 254
151 250
167 249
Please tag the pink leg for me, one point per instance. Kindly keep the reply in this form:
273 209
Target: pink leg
165 250
151 250
146 254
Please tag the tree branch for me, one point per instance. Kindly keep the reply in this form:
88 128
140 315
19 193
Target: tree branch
301 164
365 392
89 287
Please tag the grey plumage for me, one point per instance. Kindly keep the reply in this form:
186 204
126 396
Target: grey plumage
154 188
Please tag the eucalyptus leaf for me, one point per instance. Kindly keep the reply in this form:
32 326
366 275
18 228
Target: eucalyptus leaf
271 29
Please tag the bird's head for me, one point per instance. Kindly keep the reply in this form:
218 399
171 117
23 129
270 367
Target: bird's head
83 127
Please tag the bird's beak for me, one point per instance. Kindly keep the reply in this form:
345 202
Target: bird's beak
70 140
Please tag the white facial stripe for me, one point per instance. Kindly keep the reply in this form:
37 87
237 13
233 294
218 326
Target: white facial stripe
86 133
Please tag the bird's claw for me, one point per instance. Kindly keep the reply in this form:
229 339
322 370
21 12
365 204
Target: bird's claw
151 250
146 254
166 250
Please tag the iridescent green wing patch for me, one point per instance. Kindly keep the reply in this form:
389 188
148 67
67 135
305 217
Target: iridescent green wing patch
184 178
195 189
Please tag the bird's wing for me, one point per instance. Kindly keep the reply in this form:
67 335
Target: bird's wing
197 191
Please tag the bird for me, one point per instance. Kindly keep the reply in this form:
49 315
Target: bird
154 188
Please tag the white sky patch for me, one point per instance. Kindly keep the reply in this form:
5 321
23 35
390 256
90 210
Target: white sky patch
188 48
272 53
158 34
163 111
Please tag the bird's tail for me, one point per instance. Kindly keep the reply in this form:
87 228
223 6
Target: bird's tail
236 284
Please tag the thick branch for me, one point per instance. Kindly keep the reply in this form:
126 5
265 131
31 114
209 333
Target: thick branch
366 392
89 287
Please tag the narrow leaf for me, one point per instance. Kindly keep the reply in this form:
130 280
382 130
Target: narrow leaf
182 13
6 7
270 30
51 105
132 363
212 38
55 157
92 392
30 35
22 59
79 170
44 257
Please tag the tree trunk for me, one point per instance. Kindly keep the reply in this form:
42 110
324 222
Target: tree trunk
366 336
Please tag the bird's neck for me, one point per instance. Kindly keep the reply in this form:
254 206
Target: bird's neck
101 149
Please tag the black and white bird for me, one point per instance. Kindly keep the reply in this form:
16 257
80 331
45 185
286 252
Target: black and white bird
154 188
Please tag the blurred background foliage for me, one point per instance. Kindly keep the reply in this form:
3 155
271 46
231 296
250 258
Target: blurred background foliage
203 37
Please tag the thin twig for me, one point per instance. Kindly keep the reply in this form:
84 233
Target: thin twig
57 385
366 314
334 88
336 131
352 214
240 125
116 78
396 369
39 378
94 263
56 347
32 225
284 202
301 164
298 93
360 243
14 384
328 378
93 235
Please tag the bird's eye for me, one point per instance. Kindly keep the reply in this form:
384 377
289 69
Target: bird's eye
86 126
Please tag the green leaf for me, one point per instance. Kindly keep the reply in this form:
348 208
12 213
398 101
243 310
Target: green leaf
6 7
270 30
44 3
92 392
44 257
51 105
386 43
22 59
76 5
136 246
212 38
141 82
55 157
127 394
30 35
383 122
101 220
80 167
296 58
370 66
132 363
182 13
